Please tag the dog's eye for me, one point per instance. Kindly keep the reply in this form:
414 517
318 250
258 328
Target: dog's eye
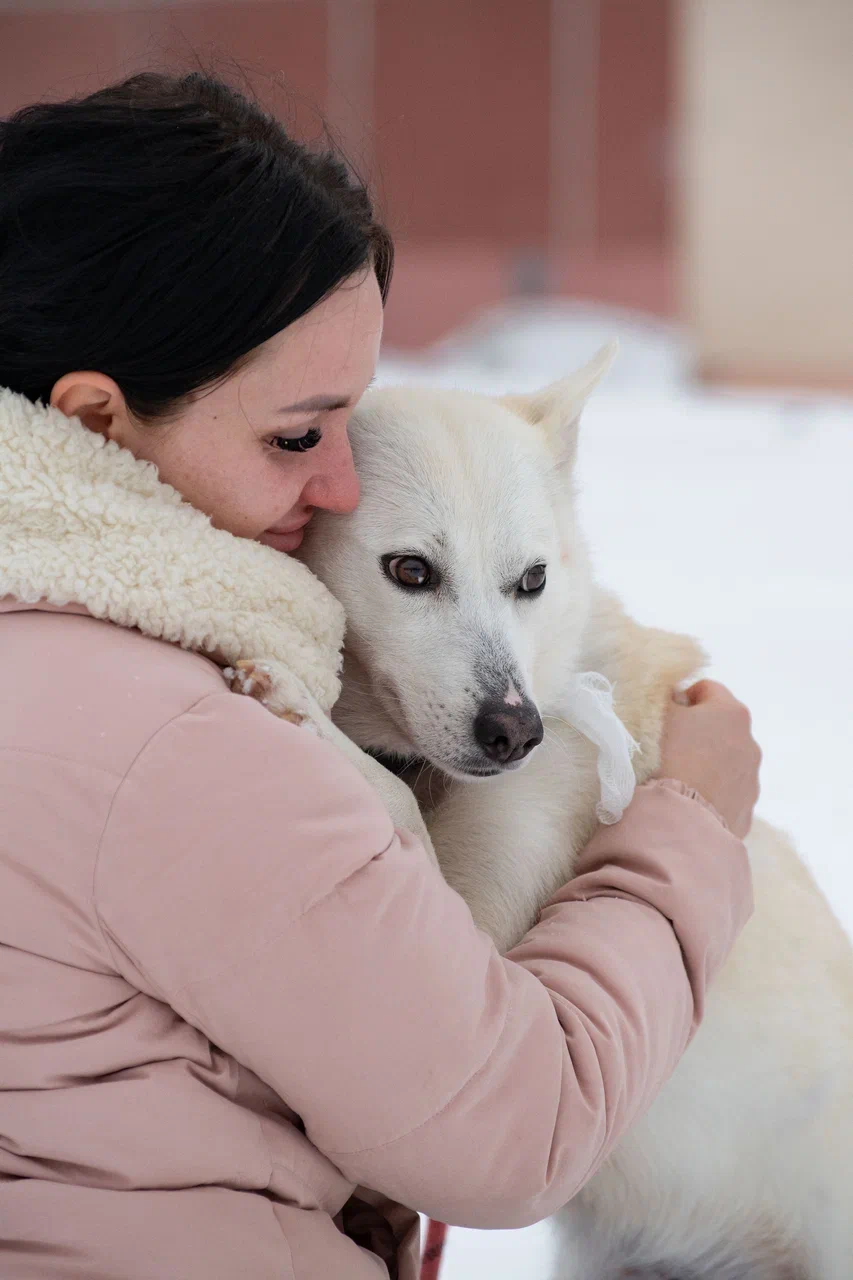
410 571
533 581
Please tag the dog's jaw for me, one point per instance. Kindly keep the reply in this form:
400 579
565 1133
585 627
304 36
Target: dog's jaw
367 715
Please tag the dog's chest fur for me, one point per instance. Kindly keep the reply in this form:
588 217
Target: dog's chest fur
509 843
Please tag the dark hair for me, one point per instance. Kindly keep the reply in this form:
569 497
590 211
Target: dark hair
161 229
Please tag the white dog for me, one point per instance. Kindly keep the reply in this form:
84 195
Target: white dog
472 608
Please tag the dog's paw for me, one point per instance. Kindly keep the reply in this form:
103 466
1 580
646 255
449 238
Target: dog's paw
251 678
256 681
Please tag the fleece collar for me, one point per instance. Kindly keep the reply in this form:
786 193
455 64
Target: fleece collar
83 521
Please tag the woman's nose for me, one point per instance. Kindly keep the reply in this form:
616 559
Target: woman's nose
334 487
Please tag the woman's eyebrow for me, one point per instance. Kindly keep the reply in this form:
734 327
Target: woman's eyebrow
317 404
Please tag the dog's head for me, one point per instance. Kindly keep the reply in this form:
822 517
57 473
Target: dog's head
465 581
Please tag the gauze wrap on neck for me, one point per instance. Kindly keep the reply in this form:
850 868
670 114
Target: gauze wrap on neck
589 709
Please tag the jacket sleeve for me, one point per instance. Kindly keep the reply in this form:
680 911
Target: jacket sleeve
250 878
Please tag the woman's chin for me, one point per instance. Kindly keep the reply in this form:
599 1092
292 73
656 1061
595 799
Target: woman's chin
283 541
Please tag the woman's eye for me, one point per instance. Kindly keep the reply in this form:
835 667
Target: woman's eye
533 581
297 444
410 571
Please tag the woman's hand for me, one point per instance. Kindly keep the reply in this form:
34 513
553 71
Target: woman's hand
708 745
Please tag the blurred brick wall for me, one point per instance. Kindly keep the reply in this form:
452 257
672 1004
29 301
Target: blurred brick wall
444 104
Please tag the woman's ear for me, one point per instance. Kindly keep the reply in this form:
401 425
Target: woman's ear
96 400
557 408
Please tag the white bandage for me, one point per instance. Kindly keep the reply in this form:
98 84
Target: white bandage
589 709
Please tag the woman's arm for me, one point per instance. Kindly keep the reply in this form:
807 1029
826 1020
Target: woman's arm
250 878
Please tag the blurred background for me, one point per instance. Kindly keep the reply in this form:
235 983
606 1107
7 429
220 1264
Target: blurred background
684 158
676 173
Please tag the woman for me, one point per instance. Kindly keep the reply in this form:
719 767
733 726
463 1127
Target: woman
244 1020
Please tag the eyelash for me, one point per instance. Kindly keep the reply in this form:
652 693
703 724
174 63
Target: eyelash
300 444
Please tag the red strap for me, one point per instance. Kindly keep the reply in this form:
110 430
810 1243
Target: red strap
433 1249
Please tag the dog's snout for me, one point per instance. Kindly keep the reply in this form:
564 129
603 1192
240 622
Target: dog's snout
507 733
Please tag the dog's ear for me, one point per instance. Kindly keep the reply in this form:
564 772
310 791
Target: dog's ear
557 408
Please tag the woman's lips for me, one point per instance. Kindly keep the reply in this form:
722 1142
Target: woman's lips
283 540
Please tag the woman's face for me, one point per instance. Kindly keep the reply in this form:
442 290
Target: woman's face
266 448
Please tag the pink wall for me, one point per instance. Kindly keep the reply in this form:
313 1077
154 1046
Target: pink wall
635 105
458 145
462 108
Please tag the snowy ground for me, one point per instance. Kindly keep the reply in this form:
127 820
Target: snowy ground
727 516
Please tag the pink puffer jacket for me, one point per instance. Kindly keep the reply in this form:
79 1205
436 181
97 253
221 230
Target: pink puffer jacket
231 993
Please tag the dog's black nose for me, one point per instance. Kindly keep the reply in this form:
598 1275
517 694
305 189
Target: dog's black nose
508 733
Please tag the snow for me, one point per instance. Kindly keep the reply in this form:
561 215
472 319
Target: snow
725 515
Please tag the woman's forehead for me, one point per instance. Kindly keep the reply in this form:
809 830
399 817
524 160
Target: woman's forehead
330 353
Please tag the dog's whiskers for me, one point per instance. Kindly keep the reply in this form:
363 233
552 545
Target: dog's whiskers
360 685
560 720
555 738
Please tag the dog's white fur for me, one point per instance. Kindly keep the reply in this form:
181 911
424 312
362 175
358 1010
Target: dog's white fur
744 1165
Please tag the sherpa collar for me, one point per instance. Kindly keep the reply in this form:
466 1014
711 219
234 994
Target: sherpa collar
83 521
